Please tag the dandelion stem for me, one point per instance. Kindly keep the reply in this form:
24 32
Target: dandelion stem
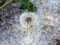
5 4
28 28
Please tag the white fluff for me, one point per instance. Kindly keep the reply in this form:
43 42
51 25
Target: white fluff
28 14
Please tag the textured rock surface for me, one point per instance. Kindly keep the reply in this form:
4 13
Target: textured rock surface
11 33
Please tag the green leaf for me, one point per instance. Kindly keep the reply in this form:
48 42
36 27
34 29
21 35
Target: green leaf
51 27
45 26
26 5
24 1
23 7
31 7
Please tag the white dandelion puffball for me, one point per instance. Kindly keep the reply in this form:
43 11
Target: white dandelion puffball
48 18
28 17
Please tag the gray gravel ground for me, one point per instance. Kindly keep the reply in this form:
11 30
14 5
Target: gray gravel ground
11 33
